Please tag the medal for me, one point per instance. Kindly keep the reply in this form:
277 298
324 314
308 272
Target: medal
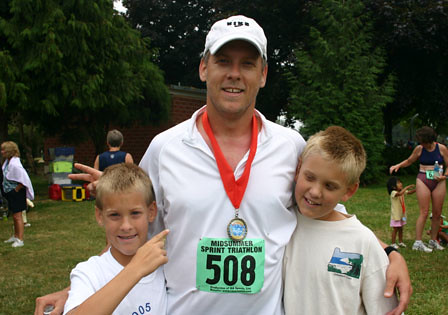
237 229
235 189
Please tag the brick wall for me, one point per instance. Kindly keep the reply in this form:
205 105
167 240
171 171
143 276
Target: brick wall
184 101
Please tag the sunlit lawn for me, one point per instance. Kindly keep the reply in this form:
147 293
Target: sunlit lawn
65 233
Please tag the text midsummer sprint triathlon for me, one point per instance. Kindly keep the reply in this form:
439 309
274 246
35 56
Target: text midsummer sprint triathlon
232 247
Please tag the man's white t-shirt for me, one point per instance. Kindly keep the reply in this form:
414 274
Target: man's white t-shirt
193 204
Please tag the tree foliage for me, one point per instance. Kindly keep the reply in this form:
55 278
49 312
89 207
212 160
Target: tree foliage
80 67
178 29
336 78
415 35
76 63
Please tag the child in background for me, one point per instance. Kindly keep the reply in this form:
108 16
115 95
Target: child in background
398 208
443 232
29 204
442 235
127 278
331 256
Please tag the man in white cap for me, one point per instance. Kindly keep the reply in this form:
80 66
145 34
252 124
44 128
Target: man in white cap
223 183
227 237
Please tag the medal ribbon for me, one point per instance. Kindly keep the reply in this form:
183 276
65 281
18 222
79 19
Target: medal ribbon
235 189
402 204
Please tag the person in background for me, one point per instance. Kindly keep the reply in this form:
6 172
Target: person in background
114 155
17 187
3 202
442 235
430 187
398 208
29 204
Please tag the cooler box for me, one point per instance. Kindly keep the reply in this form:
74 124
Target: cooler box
64 151
87 192
61 153
59 178
61 167
73 193
54 192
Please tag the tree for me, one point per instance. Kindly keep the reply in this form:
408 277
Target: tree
336 78
82 68
10 89
178 29
415 35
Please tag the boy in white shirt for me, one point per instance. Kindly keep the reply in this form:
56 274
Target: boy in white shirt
127 278
333 264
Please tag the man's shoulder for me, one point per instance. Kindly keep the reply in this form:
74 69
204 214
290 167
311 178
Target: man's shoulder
290 134
277 128
171 133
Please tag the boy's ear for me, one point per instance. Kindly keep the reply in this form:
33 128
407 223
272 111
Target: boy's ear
98 216
299 164
350 192
152 211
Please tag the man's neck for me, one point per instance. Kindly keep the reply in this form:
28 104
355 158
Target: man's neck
230 125
232 135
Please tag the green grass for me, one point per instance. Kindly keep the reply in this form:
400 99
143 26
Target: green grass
428 271
65 233
61 235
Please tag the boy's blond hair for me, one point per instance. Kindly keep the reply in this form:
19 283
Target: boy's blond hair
121 178
339 145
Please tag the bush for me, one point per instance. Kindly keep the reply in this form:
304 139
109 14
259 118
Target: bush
394 155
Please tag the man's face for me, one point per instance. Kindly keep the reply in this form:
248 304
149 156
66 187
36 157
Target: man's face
233 76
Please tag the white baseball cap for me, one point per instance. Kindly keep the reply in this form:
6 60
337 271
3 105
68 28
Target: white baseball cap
236 27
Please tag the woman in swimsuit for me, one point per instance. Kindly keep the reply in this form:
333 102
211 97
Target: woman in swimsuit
430 186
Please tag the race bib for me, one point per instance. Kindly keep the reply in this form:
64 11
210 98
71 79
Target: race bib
227 266
430 174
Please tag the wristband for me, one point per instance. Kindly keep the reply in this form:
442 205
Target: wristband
390 249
